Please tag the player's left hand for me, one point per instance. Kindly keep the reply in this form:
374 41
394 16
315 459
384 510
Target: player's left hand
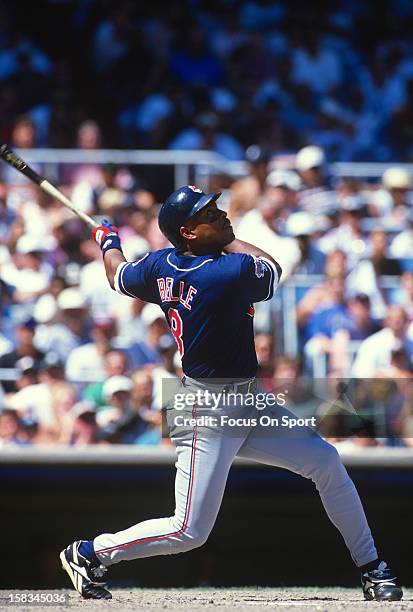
112 228
107 236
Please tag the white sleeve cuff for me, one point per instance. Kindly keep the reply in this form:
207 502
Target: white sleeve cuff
117 282
274 275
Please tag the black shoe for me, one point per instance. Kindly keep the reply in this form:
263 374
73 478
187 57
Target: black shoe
85 575
381 585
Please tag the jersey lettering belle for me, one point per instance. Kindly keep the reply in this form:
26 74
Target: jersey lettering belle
208 304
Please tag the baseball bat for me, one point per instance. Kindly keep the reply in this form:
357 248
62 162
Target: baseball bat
14 160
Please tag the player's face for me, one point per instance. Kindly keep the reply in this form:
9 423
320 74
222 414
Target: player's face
209 230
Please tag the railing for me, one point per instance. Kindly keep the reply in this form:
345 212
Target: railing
289 301
201 162
166 455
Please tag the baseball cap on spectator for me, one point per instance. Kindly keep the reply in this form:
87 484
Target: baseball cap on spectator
26 365
45 308
396 178
114 384
111 198
82 407
31 244
71 299
283 178
150 313
309 157
300 224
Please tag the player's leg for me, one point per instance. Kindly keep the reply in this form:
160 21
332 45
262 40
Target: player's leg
302 451
202 470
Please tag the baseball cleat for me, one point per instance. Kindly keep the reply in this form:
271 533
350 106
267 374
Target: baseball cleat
87 577
381 585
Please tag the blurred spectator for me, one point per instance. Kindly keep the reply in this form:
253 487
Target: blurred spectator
348 235
265 358
93 285
315 66
257 226
144 403
402 244
84 429
24 348
206 135
115 364
368 272
375 353
47 402
323 296
27 271
86 362
148 351
89 137
393 200
302 227
404 295
11 429
69 329
383 265
316 195
246 191
120 422
193 63
281 188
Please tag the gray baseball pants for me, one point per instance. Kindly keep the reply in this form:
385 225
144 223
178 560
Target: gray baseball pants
205 454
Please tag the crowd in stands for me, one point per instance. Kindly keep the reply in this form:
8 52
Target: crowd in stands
81 364
213 74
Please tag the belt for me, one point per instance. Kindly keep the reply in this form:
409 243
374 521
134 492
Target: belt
247 386
243 386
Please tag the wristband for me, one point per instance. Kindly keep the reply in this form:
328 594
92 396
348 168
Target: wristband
111 241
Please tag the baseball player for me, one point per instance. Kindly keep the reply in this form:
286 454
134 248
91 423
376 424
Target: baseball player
206 286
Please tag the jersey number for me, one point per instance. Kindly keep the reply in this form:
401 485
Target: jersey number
177 328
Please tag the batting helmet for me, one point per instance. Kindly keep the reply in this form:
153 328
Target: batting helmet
182 204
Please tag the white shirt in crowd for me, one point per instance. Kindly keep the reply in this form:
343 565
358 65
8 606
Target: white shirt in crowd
252 228
374 354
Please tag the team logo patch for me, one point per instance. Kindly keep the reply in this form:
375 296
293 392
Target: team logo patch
259 267
193 188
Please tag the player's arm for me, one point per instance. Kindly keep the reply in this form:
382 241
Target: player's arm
127 278
107 237
239 246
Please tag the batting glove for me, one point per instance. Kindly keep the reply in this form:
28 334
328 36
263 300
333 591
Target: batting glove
107 236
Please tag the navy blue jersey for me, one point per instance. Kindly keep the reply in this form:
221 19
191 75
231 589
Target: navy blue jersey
208 304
